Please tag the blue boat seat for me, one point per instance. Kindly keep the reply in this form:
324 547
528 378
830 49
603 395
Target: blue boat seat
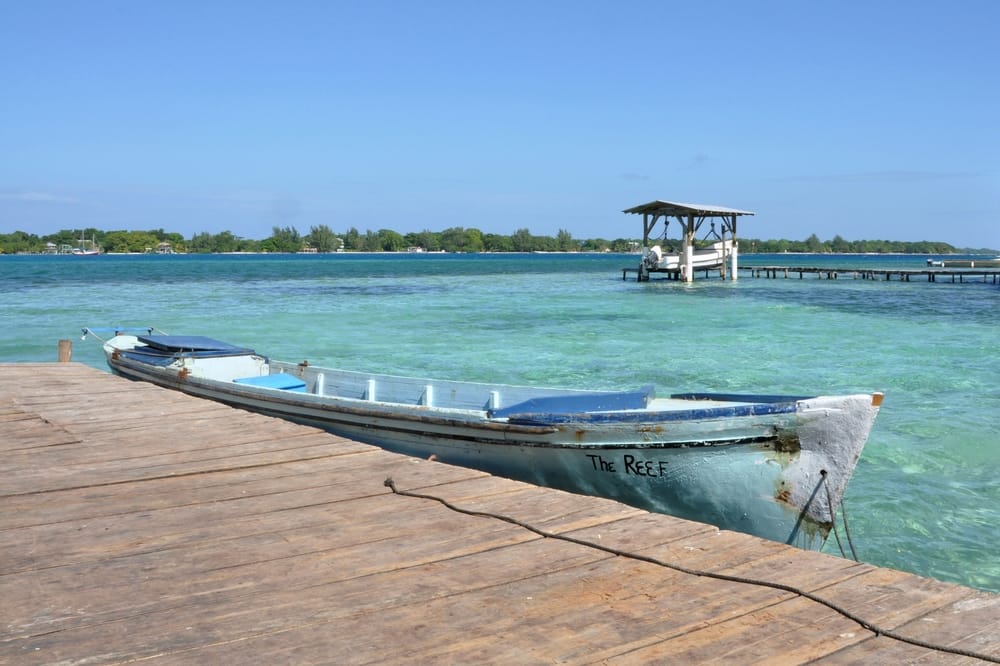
279 381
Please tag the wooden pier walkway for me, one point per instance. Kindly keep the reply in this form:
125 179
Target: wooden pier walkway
140 524
905 275
984 275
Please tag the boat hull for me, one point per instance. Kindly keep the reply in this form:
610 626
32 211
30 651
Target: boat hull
774 469
713 256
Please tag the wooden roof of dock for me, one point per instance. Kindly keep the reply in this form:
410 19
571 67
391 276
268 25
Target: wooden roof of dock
675 209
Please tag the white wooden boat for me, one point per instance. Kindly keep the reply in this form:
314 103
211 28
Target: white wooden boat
773 466
713 256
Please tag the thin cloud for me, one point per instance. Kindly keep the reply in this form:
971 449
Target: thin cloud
698 159
631 175
884 176
36 197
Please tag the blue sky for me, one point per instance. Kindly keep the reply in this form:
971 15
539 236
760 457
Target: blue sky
871 120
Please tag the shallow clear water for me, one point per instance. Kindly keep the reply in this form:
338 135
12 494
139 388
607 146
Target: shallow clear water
925 497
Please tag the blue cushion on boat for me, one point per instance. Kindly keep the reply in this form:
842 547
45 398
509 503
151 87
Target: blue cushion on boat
279 381
579 403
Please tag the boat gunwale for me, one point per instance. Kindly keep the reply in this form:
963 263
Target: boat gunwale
768 405
285 403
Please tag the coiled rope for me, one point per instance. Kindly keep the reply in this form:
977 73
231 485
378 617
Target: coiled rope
875 629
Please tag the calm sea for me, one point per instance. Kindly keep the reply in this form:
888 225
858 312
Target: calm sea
925 497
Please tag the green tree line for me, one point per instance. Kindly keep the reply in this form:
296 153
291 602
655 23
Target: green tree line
319 239
838 245
324 239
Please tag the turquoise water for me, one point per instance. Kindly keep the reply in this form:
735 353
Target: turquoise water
925 497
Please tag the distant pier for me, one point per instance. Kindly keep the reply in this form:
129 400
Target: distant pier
984 275
886 274
965 263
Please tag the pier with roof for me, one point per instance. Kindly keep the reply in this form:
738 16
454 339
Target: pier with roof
682 264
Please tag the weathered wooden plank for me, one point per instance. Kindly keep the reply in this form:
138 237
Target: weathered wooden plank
889 598
274 509
29 434
174 528
548 510
83 475
144 494
808 570
925 609
642 533
537 601
11 412
260 606
705 548
582 614
269 554
121 448
51 383
794 631
885 650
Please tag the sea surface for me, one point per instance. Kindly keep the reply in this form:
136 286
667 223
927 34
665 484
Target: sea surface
925 496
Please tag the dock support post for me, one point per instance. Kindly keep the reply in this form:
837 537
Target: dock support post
735 259
687 261
65 351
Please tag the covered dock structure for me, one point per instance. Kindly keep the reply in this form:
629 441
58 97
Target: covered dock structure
691 217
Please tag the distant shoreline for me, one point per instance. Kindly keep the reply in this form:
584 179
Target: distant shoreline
991 254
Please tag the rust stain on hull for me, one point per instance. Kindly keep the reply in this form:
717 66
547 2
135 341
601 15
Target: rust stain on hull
786 441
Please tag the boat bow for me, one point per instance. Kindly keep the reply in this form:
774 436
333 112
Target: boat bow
830 434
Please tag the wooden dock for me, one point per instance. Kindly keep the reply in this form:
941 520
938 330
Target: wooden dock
140 524
906 275
984 275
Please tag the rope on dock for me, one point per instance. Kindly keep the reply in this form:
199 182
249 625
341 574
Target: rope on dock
878 631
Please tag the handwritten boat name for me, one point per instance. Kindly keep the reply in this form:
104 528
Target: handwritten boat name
629 465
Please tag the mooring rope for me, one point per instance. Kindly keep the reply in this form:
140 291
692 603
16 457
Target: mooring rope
847 530
875 629
833 519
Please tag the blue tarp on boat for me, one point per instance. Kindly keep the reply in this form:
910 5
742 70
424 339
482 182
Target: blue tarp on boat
579 403
149 356
161 350
191 343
